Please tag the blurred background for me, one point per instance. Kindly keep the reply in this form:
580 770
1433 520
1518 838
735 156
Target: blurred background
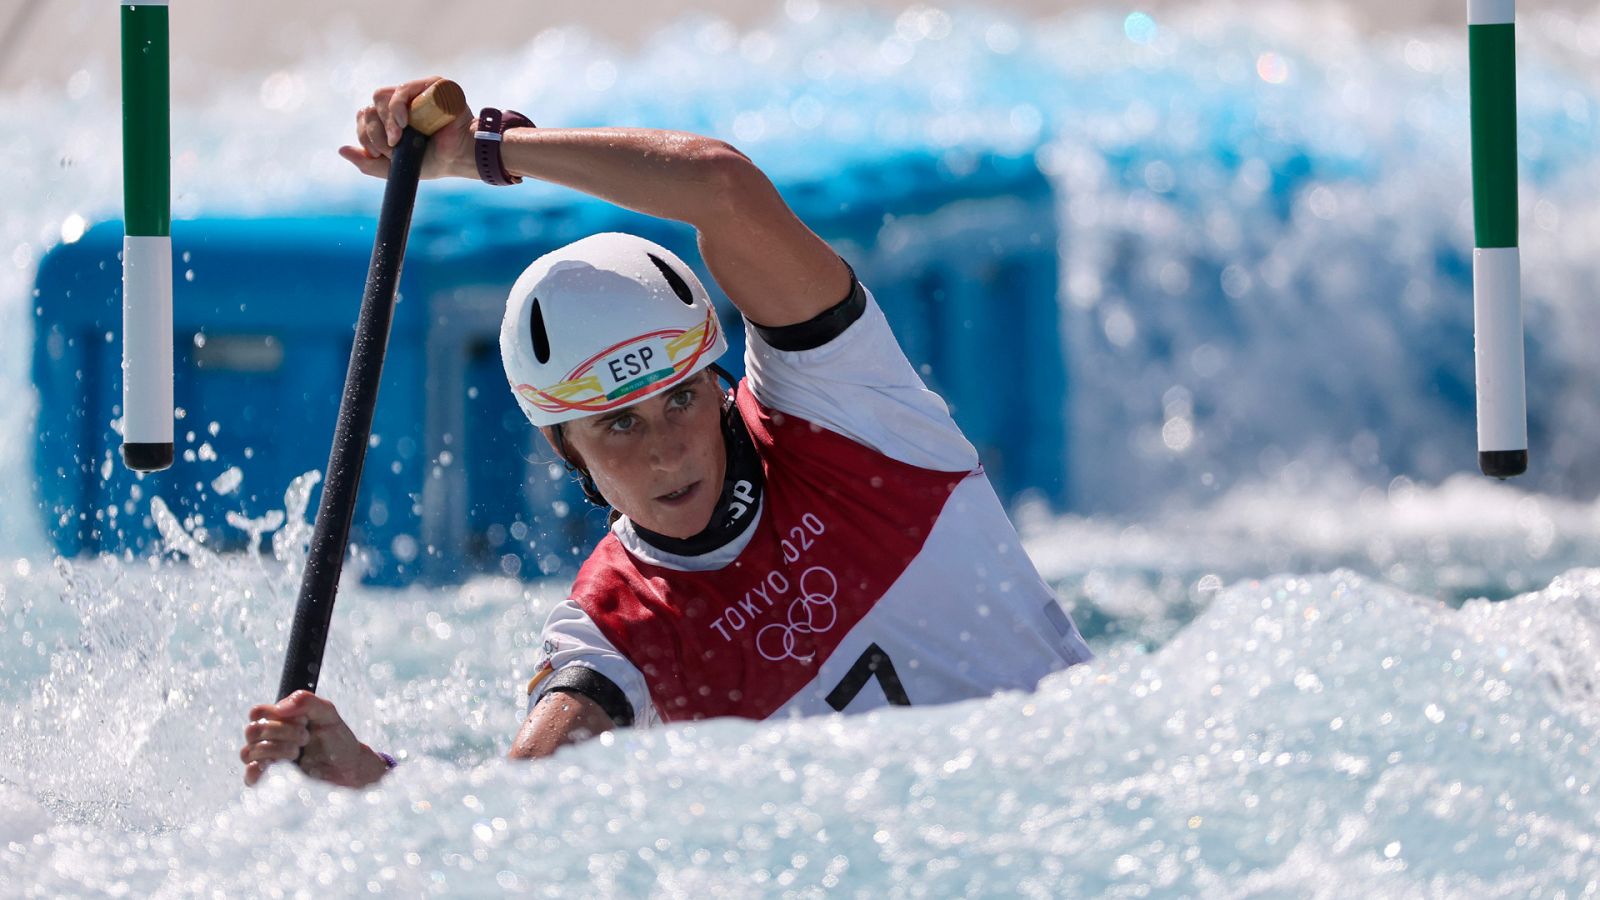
44 43
1150 255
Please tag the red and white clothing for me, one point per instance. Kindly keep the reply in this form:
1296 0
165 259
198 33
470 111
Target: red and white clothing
878 568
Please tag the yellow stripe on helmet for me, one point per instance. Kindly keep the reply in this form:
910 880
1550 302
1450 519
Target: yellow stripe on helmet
588 383
688 340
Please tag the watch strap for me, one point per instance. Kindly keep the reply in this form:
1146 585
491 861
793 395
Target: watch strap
492 125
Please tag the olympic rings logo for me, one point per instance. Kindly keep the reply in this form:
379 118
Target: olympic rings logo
812 612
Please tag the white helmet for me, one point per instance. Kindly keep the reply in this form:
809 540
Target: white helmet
602 323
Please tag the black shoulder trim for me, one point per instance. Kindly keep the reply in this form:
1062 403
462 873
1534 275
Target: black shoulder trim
821 328
602 690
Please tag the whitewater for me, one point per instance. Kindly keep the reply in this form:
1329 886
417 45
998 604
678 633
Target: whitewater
1332 660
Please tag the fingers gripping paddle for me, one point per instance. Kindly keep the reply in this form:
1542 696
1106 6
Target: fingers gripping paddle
435 108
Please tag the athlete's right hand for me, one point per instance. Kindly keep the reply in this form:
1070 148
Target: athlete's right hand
306 726
378 129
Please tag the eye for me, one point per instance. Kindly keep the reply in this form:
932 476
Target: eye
682 398
622 424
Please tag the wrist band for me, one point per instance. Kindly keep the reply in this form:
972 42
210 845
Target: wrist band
388 760
492 123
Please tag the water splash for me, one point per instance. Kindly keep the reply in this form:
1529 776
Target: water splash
257 527
1465 539
177 538
228 481
174 649
291 543
1302 735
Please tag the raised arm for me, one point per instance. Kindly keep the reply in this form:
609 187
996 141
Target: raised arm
773 268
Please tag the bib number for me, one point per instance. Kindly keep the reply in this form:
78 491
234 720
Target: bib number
873 663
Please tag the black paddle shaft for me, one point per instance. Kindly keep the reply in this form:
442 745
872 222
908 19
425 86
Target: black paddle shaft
314 611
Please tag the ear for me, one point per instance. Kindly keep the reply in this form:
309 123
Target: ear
558 445
556 437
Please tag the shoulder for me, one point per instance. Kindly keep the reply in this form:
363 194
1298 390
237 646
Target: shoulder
845 372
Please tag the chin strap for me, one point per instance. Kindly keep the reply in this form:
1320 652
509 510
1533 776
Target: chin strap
585 480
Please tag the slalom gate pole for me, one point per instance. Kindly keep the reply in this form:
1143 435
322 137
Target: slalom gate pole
434 109
147 238
1496 260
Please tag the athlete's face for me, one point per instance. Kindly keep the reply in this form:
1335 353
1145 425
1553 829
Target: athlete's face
661 461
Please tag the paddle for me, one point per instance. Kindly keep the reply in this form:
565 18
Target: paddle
435 108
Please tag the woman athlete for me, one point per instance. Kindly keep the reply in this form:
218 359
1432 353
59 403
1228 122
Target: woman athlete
818 538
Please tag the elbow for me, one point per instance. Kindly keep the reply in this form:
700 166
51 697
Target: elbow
724 160
731 180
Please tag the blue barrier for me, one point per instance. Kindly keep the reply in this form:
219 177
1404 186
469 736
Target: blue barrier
456 482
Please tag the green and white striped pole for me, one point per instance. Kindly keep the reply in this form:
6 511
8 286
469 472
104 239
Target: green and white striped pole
147 239
1496 264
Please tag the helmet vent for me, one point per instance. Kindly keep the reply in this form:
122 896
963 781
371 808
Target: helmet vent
679 286
541 338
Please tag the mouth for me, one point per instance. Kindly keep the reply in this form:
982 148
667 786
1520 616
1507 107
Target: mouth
679 496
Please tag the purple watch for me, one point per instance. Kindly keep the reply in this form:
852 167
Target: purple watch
492 124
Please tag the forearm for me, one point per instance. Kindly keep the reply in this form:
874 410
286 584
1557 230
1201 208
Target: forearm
770 265
668 174
773 268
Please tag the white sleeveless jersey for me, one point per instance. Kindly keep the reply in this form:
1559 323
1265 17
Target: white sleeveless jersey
879 569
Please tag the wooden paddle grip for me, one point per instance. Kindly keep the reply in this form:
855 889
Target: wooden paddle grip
437 106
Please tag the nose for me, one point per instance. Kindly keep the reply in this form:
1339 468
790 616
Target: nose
667 448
